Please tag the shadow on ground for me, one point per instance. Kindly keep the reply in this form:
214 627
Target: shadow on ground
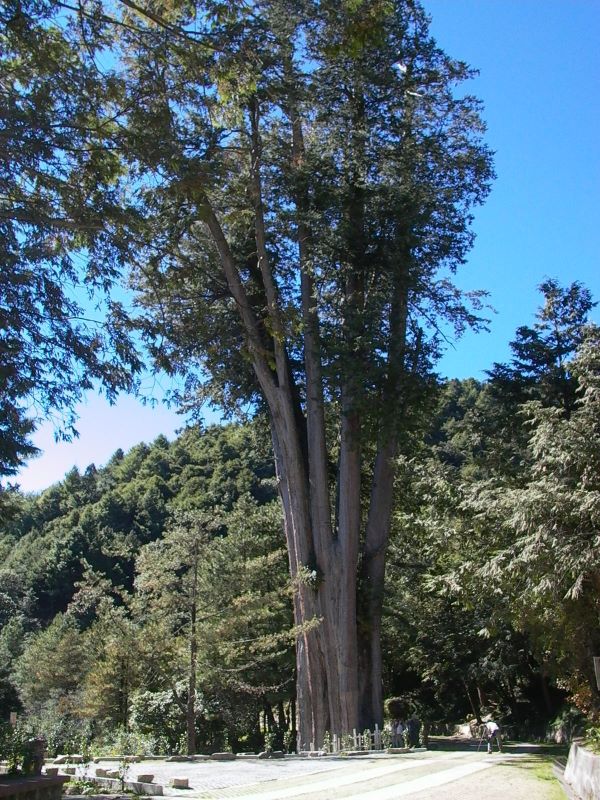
459 743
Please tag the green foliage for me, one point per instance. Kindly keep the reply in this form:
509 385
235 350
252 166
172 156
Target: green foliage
493 571
541 354
215 137
80 786
592 738
115 653
119 741
60 332
62 729
269 739
13 746
52 665
396 707
160 717
491 579
108 576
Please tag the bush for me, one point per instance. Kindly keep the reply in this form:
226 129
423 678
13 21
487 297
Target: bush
592 738
13 746
63 732
130 743
157 716
569 723
396 708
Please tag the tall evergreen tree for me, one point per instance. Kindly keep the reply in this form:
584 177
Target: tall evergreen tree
303 177
539 368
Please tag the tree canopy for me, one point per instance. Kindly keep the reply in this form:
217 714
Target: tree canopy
60 206
290 187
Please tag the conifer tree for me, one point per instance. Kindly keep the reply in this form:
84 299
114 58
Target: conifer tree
301 180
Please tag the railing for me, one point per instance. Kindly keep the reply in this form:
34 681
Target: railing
354 742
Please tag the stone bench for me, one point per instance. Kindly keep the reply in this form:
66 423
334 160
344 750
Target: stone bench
39 787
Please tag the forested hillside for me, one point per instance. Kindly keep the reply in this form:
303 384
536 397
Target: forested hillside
150 598
112 580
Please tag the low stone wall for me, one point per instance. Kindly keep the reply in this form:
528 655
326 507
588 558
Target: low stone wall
137 787
40 787
582 772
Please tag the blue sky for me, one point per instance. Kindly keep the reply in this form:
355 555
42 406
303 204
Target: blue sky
539 64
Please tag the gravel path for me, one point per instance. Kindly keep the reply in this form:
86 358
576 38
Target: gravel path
432 775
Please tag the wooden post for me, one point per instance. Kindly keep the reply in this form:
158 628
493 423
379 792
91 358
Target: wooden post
377 738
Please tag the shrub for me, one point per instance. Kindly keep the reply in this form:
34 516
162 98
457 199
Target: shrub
13 746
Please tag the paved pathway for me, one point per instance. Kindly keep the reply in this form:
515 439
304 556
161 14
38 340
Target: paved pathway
432 775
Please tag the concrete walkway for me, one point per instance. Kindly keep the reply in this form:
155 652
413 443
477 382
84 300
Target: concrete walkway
432 775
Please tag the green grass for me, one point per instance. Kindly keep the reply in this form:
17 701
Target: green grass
540 767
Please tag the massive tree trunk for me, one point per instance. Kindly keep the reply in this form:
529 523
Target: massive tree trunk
323 557
336 551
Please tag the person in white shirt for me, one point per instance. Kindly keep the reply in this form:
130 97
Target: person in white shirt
492 731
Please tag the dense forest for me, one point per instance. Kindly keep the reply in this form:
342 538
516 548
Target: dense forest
147 604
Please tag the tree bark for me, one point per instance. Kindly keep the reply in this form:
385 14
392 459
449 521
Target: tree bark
372 578
191 698
335 557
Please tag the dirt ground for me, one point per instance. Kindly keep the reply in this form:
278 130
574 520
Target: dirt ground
526 779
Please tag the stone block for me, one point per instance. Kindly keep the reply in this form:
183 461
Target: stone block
112 773
68 759
145 778
51 772
179 758
180 783
144 789
223 757
101 772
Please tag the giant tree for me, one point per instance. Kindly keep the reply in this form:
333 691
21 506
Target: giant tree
304 175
